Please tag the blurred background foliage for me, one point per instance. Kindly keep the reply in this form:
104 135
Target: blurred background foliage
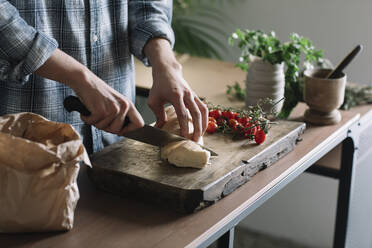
197 27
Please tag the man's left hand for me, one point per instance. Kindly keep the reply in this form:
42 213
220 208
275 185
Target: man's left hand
169 86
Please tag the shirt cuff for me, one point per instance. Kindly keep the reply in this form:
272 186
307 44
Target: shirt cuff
146 31
41 49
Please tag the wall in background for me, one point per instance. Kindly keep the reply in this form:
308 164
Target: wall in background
335 26
305 210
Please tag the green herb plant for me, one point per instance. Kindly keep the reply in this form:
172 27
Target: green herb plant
236 91
356 95
271 49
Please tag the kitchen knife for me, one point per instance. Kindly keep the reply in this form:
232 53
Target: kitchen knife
147 134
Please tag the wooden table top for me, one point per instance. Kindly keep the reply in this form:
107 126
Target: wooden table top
104 220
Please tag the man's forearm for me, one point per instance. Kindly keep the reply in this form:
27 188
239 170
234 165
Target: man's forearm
108 107
63 68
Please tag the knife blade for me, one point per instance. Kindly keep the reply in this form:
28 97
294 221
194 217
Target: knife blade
147 134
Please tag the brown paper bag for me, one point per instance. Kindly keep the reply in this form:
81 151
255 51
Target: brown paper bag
38 171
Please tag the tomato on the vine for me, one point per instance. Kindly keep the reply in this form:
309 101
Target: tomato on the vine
260 136
243 120
216 114
250 125
234 124
212 127
250 129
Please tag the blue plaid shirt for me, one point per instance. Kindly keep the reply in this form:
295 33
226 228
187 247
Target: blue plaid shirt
101 34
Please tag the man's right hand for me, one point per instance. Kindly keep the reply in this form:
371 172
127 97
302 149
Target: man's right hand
107 106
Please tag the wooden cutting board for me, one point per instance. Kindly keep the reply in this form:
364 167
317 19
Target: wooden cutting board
134 169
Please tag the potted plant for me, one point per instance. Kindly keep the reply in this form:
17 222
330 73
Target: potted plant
271 62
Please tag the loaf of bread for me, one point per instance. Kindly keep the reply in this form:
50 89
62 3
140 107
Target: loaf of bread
185 153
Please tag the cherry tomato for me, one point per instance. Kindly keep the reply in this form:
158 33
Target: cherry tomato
235 125
212 127
234 115
243 121
215 114
229 115
226 114
212 119
260 136
221 122
250 130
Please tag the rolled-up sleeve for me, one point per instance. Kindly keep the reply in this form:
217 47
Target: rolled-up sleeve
22 48
149 19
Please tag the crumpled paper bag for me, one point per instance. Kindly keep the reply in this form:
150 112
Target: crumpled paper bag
39 165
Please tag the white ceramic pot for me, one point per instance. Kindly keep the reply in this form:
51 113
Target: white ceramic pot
265 80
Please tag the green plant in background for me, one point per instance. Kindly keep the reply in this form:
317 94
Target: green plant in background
196 27
271 49
357 95
236 90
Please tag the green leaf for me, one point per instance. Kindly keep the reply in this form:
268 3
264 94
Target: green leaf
229 89
242 66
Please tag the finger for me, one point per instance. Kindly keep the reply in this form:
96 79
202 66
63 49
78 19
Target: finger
136 121
195 114
117 124
182 116
204 112
92 119
109 117
158 110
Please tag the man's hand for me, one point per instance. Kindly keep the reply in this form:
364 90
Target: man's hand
107 106
169 86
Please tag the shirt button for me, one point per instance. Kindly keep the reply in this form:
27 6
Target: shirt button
95 38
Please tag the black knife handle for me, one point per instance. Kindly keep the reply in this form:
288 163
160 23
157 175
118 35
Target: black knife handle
73 103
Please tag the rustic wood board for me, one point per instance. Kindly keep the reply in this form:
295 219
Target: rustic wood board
131 168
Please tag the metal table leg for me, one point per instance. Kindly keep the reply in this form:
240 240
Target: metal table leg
226 240
346 178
